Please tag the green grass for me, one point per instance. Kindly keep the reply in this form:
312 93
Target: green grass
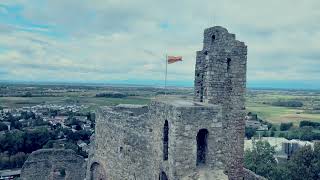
278 115
92 102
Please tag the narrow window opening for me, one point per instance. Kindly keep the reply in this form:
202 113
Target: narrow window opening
201 93
213 37
228 64
165 140
202 146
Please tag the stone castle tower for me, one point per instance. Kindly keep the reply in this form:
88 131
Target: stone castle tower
174 138
220 78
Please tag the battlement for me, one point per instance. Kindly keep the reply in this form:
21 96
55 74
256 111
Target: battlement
218 38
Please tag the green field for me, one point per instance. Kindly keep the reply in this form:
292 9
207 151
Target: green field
261 103
91 102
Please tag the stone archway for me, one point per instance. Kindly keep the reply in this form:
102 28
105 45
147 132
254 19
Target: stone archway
97 172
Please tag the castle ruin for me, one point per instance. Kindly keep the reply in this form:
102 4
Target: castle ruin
171 138
174 138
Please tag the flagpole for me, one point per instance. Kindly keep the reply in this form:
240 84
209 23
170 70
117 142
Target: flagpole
165 79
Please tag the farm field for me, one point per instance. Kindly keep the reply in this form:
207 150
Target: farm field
91 102
262 103
259 101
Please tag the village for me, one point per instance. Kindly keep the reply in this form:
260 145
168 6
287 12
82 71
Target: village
42 126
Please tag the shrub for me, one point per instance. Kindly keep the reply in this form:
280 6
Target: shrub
309 123
274 128
261 159
272 133
290 103
285 126
3 126
284 135
112 95
250 132
27 94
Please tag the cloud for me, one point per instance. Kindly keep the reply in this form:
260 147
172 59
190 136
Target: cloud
100 40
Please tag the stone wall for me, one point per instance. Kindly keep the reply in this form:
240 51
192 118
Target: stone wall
54 164
122 143
185 120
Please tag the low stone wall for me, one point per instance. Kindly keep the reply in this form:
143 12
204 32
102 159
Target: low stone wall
54 164
249 175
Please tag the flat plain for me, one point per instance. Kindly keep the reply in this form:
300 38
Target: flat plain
259 101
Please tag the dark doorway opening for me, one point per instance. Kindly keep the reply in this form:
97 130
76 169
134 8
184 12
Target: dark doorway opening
163 176
202 146
165 140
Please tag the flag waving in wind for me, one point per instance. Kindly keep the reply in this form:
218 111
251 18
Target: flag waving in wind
170 60
173 59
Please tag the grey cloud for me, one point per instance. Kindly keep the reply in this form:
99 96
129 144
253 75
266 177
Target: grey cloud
124 37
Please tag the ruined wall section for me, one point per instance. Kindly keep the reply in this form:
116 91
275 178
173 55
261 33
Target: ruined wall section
185 119
53 164
221 79
122 143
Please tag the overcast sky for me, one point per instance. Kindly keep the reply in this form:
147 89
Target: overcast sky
126 40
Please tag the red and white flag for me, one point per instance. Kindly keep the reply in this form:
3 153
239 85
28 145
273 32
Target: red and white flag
173 59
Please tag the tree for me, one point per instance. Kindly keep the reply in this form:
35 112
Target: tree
15 124
260 159
12 142
72 121
250 132
27 94
304 164
309 123
285 126
35 139
272 133
265 134
306 133
3 126
274 128
290 103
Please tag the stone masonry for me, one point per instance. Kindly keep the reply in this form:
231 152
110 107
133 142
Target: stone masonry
220 78
173 138
53 164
